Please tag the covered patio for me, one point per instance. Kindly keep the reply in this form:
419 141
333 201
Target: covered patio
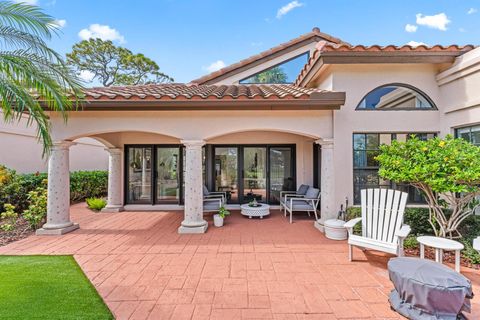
263 269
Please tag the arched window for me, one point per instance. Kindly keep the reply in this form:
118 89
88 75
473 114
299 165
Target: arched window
396 97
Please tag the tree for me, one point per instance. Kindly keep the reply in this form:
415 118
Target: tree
273 75
32 76
447 171
114 65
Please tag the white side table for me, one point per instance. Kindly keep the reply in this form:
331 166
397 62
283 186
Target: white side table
440 244
260 211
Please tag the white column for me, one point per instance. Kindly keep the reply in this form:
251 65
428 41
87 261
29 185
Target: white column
193 221
114 200
58 202
327 175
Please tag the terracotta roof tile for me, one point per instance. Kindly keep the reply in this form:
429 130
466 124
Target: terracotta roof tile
314 34
324 48
199 92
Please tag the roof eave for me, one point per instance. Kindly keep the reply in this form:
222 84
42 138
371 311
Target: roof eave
317 101
374 58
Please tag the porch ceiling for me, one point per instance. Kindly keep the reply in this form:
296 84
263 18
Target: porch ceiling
211 97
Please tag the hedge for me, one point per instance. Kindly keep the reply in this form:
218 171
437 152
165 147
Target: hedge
14 187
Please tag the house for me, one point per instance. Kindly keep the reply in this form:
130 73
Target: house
320 124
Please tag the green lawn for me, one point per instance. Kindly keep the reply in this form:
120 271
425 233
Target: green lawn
47 287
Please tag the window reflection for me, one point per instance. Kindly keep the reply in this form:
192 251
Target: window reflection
395 97
285 72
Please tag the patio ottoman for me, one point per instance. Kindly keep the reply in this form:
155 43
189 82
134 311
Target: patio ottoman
426 289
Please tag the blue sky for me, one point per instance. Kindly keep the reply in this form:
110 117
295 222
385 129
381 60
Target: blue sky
188 38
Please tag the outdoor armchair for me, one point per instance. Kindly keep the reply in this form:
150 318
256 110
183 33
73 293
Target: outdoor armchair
302 190
308 203
214 195
382 222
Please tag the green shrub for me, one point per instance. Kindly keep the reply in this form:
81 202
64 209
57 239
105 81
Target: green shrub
417 219
96 204
88 184
37 208
9 216
410 242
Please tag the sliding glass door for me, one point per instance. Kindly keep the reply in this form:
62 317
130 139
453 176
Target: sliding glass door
247 172
153 174
282 172
167 174
139 172
226 172
254 174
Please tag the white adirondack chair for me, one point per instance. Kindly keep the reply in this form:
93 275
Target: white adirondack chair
382 222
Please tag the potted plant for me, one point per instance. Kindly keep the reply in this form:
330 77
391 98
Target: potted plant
220 216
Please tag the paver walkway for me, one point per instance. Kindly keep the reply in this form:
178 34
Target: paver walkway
249 269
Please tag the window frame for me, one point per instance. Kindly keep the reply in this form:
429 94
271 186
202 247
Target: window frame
469 128
402 85
307 53
389 184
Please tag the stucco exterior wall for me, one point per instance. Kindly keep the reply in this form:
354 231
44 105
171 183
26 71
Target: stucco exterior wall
357 81
459 92
20 150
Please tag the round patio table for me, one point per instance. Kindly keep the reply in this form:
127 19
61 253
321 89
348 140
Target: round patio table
260 211
440 244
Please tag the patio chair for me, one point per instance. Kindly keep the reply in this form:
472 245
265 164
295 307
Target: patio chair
212 204
214 195
308 202
300 193
382 222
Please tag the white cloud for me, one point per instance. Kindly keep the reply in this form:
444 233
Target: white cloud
103 32
416 43
60 23
437 21
214 66
411 28
462 30
30 2
86 75
288 7
472 11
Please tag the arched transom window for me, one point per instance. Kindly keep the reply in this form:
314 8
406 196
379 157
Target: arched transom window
396 97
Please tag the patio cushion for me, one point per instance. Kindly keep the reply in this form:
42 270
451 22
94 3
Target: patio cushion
303 189
312 193
205 191
300 205
211 205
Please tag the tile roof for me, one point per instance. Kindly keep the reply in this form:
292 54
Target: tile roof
199 92
314 35
177 97
324 49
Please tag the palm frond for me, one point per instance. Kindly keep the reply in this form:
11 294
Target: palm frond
27 18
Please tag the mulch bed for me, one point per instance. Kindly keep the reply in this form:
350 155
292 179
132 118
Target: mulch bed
448 256
21 231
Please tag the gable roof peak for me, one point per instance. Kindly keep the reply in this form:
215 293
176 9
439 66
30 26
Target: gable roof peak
313 36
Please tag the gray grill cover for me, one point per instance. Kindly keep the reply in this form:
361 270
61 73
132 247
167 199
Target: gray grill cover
425 289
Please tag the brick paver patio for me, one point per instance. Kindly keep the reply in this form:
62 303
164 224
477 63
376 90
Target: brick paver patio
250 269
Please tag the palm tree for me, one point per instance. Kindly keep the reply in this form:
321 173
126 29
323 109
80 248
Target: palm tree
33 77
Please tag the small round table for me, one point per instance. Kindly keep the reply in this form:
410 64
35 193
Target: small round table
440 244
260 211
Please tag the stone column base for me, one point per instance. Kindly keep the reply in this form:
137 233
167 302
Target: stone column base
319 225
112 209
193 229
56 232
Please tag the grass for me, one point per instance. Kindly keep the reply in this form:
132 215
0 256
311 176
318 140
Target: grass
47 287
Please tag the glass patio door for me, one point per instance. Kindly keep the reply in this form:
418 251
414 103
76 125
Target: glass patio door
254 174
167 174
226 172
281 172
139 180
